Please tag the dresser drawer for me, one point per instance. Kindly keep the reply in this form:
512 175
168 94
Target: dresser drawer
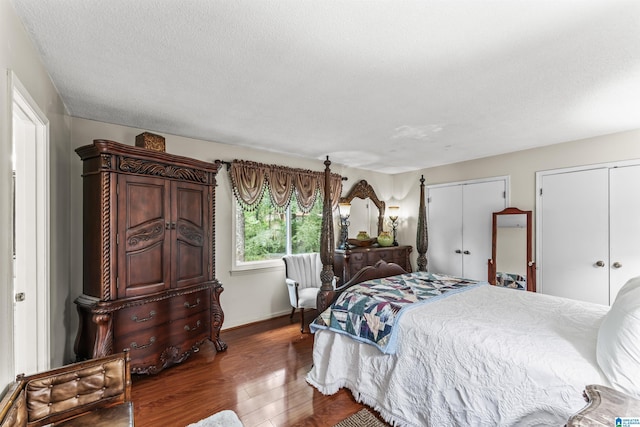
142 316
385 255
145 345
190 304
189 330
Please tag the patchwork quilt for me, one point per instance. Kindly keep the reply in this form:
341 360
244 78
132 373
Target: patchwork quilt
369 311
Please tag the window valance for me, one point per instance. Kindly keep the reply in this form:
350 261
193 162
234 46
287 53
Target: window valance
250 180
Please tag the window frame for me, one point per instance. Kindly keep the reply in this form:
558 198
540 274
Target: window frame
239 266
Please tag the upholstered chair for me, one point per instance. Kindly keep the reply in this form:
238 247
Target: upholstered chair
302 276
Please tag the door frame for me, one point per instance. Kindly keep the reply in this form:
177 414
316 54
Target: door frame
538 211
21 99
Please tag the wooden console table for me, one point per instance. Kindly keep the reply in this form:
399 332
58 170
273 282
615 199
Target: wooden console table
347 262
604 406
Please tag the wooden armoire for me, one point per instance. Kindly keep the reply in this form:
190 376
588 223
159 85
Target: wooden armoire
149 256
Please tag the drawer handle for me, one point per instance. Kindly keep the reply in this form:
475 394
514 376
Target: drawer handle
135 345
187 305
135 318
188 328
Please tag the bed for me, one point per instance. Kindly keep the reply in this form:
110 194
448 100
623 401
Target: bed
488 356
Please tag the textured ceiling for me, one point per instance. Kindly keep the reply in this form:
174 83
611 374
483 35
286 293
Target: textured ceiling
387 85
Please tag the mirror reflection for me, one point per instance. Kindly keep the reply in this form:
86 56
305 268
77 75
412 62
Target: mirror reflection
362 219
366 213
511 264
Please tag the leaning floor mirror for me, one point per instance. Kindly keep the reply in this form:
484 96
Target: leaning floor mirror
511 264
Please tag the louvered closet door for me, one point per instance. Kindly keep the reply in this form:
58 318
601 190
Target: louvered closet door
624 229
574 244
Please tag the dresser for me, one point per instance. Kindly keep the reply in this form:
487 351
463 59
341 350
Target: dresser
148 256
347 262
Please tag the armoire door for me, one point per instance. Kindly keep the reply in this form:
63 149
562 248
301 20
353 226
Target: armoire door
459 223
574 244
189 225
144 249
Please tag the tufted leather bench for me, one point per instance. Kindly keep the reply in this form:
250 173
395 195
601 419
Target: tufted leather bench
95 393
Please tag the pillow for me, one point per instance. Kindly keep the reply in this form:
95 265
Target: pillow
618 346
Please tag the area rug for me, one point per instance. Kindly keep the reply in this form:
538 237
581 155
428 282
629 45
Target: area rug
363 418
225 418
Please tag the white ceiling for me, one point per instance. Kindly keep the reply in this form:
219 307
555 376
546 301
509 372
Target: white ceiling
386 85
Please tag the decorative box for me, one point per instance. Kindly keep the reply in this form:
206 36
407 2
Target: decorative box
150 141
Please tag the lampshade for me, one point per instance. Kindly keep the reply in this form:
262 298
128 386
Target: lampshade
394 212
344 209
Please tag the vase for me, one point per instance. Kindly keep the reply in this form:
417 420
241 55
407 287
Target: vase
362 235
385 239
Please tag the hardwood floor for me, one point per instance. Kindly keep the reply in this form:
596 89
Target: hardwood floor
261 377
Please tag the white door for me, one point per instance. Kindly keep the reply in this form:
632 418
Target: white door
479 201
445 229
30 233
574 238
459 225
624 229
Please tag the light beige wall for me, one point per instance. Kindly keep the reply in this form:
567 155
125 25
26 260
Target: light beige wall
248 296
18 54
521 166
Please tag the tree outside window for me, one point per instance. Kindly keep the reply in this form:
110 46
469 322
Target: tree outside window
264 234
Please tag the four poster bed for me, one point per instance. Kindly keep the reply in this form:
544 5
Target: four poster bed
425 349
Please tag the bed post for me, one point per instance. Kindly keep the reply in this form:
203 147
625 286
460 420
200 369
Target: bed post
326 293
422 239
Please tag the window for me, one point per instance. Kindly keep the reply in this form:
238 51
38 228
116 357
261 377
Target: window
263 235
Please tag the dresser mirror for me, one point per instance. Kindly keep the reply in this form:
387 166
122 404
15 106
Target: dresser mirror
511 264
367 211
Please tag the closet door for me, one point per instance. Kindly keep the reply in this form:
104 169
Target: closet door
445 229
624 229
574 237
479 201
459 221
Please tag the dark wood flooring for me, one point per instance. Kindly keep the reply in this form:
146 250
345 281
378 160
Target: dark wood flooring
261 377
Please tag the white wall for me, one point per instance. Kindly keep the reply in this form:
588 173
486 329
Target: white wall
18 54
521 166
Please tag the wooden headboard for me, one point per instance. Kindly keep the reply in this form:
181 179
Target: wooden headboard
379 270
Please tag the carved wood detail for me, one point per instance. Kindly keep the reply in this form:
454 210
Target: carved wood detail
326 241
144 167
422 237
105 213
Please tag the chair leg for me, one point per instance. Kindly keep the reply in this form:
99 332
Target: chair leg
302 320
293 310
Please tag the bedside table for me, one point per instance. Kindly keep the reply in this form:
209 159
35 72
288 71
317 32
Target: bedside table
604 406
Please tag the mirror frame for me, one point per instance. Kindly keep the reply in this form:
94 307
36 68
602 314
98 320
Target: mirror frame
531 265
362 190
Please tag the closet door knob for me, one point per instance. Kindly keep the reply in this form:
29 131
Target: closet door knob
466 253
617 265
458 251
600 264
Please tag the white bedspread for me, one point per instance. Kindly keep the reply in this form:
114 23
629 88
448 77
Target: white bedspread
487 357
